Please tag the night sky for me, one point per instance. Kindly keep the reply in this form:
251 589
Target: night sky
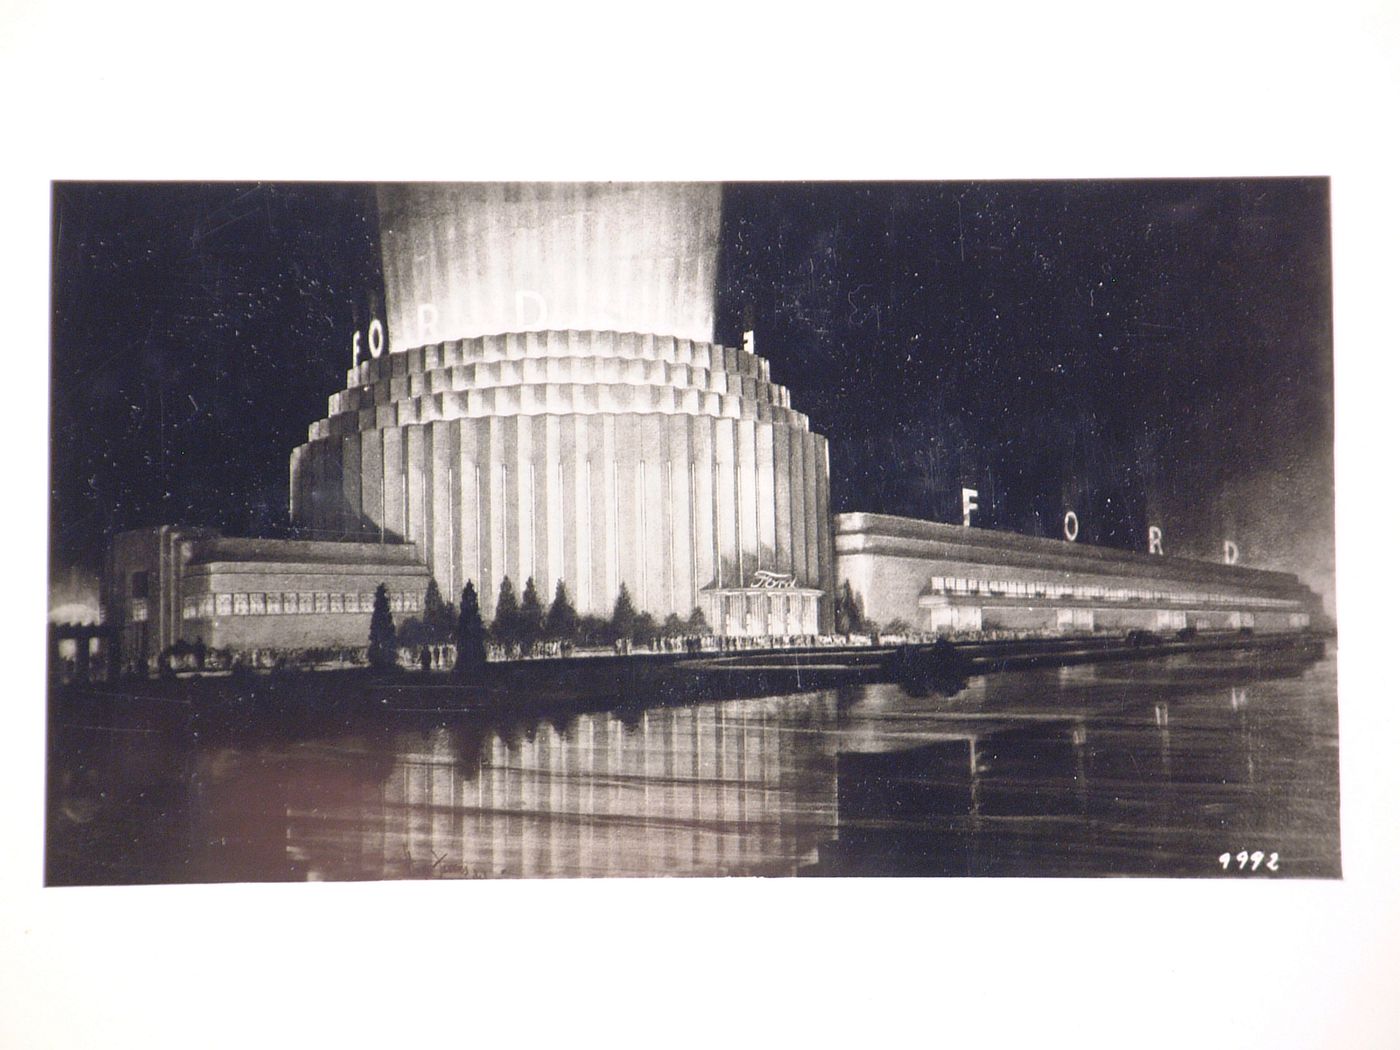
1142 352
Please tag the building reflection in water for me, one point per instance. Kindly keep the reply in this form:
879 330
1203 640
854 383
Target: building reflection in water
1154 768
734 788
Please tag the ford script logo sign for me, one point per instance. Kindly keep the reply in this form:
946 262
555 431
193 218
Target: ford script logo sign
770 580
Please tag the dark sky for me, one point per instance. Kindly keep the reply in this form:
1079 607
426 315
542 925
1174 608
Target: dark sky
1142 352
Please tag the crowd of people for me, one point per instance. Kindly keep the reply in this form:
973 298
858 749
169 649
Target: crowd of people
186 658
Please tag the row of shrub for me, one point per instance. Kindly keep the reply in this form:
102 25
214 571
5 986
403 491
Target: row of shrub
522 626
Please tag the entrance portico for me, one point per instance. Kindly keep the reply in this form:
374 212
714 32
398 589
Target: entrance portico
772 605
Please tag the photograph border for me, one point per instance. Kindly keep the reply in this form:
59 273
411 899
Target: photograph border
1257 92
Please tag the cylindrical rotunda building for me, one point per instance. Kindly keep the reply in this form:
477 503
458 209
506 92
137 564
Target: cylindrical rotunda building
553 406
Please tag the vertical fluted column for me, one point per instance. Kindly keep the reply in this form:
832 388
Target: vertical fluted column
726 504
782 499
297 487
609 550
443 523
415 527
317 501
578 516
678 496
798 486
630 549
826 551
496 523
333 478
372 480
748 510
596 473
550 509
393 484
764 496
812 575
469 502
655 515
352 519
522 501
506 450
702 474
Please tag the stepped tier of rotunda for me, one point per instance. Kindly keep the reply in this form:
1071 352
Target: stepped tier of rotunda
673 466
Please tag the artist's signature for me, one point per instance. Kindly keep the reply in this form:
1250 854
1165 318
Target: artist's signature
1245 861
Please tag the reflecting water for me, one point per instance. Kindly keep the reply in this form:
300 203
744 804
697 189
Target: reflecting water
1151 767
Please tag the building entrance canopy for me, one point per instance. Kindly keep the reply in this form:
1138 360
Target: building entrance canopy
771 605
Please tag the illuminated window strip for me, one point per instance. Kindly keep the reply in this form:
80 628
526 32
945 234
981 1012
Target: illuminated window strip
322 603
1092 592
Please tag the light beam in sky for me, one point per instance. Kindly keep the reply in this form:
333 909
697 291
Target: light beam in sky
477 259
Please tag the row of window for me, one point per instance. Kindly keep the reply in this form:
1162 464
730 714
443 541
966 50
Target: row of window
1088 592
207 606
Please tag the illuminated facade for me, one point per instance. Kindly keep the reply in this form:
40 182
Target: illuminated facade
948 579
548 404
528 441
166 585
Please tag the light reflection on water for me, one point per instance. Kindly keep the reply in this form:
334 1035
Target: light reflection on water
1152 767
714 789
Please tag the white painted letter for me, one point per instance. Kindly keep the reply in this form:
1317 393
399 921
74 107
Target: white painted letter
1154 540
355 350
969 505
376 338
1071 526
1232 553
538 322
427 323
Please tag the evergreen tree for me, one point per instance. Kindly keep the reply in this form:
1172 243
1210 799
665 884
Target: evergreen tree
850 618
505 628
697 624
624 617
644 629
412 632
561 625
594 630
531 616
383 646
673 626
438 616
471 634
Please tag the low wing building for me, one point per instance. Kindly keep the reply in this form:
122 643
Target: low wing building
947 579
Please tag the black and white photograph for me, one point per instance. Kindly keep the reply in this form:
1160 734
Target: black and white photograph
715 526
511 530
